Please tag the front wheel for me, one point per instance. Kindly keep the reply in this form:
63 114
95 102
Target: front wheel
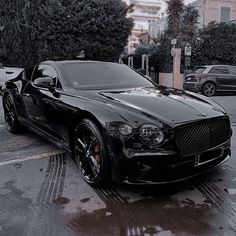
91 154
10 115
209 89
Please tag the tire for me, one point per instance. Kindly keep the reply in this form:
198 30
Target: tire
90 154
209 89
11 120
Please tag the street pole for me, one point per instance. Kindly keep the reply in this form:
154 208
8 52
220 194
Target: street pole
1 30
173 42
1 39
176 53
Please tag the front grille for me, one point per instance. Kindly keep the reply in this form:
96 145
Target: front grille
201 136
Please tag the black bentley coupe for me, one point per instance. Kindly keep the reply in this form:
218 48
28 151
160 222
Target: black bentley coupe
116 123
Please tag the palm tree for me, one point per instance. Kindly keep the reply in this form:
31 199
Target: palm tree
190 21
175 12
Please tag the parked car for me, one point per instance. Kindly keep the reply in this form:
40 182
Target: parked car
116 123
211 79
7 73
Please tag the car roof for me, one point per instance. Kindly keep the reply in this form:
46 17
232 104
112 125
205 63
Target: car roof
76 62
208 66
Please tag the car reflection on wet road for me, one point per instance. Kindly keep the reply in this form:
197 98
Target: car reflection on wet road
42 193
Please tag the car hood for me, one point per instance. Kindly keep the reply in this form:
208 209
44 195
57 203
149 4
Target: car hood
169 105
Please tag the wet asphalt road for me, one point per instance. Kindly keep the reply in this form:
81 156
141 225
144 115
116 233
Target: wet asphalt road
42 193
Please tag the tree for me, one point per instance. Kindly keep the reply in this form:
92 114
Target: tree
49 29
216 44
189 22
174 19
146 49
183 25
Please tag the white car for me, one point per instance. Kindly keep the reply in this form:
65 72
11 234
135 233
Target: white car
7 73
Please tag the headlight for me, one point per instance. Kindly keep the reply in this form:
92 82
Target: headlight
151 135
125 129
119 128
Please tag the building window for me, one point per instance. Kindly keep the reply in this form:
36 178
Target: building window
225 14
150 12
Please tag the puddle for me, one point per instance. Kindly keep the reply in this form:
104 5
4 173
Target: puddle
61 201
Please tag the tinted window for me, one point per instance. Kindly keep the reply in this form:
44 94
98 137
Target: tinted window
232 70
103 75
46 71
200 70
219 70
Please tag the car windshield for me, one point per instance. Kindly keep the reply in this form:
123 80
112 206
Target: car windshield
103 75
200 70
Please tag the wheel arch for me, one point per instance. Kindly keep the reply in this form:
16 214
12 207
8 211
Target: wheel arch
210 80
11 89
79 116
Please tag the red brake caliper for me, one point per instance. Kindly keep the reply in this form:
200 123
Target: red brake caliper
97 154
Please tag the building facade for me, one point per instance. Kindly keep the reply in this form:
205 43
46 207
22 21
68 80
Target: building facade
145 12
216 10
209 10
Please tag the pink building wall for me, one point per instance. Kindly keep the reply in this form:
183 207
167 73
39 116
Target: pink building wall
212 10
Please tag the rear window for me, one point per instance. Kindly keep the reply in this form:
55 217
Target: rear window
219 70
199 70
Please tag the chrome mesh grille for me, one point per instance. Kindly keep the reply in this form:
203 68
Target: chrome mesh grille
201 136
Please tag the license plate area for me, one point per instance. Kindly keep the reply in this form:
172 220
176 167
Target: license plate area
208 156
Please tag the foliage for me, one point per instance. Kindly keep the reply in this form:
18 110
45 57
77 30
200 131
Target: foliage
182 24
146 49
216 45
189 22
175 13
49 29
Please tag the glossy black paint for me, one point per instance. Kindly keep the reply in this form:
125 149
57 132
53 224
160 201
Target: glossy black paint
54 113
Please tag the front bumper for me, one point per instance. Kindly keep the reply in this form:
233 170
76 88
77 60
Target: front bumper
168 167
192 86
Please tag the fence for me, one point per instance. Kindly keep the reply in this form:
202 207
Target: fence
144 65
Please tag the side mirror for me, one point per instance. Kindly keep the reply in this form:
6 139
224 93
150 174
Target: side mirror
45 82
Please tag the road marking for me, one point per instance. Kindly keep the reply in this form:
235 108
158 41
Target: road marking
33 157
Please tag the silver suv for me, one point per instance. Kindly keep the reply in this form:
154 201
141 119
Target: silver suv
211 79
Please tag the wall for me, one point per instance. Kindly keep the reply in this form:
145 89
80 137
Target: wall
212 10
166 79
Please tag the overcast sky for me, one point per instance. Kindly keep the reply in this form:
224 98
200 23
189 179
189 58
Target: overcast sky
188 1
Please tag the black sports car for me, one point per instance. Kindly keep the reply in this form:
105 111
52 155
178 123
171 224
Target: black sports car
117 124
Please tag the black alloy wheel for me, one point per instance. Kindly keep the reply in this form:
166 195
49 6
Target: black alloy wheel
90 154
10 115
209 89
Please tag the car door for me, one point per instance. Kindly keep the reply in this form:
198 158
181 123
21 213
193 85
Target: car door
41 102
223 77
232 70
